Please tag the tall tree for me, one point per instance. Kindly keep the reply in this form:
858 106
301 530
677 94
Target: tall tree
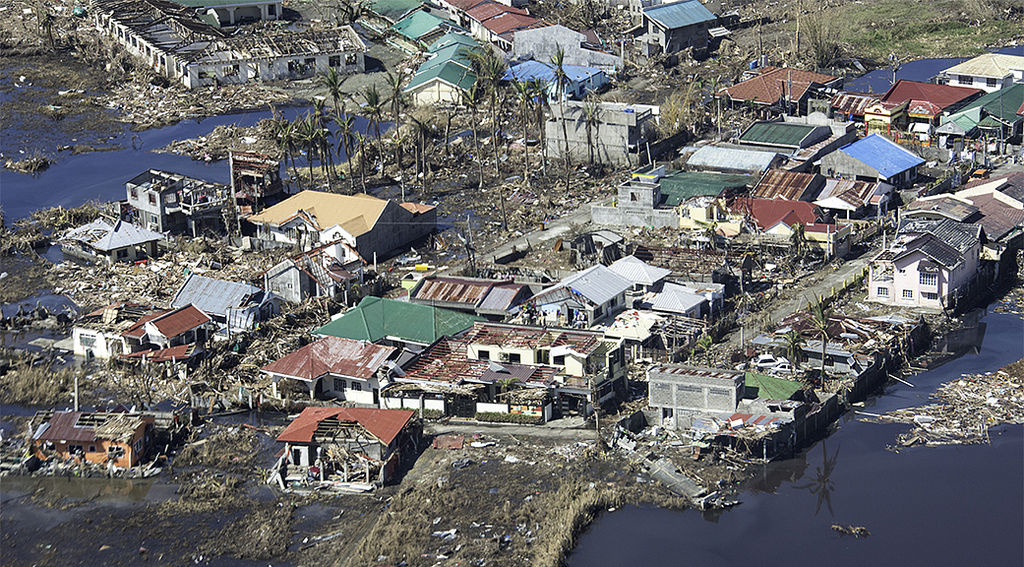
374 111
591 110
423 133
287 142
397 99
793 344
470 98
540 93
490 69
331 80
561 81
321 121
345 123
361 149
524 94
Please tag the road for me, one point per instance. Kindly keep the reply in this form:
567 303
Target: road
556 228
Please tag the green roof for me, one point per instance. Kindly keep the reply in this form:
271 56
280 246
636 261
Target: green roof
771 387
453 38
376 318
454 52
449 72
776 133
419 24
395 10
1003 103
681 186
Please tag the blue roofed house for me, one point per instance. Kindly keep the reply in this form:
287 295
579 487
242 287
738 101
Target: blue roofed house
234 304
579 80
673 27
873 158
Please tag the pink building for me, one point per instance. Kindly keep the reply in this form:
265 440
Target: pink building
929 264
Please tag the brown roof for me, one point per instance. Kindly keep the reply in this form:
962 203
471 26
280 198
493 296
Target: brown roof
384 424
999 218
767 212
775 83
332 355
509 22
180 320
172 354
778 184
446 361
87 427
583 342
485 11
853 103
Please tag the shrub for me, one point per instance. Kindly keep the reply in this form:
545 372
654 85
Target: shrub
496 417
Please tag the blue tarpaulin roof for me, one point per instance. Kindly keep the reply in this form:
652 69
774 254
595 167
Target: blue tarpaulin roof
886 157
679 14
537 71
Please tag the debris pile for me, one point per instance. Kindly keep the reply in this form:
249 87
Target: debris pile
145 105
969 407
215 145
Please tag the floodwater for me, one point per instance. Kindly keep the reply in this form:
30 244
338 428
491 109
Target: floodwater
77 179
951 505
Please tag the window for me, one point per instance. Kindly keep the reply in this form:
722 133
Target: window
559 360
633 197
92 448
515 357
171 198
990 82
230 70
272 10
122 254
135 193
357 386
87 341
908 294
928 279
483 354
930 295
334 61
966 80
902 270
883 292
152 198
350 59
543 356
339 385
76 450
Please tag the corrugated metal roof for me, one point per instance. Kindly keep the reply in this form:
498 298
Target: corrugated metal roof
852 103
215 296
582 342
332 355
680 186
937 96
777 133
679 14
357 213
777 83
453 38
418 24
638 271
886 157
946 206
545 72
996 65
675 299
597 283
767 212
180 320
384 424
999 218
731 159
854 194
376 318
501 297
101 235
791 185
453 290
958 235
450 72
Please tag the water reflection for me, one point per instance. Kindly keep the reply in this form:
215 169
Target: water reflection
821 485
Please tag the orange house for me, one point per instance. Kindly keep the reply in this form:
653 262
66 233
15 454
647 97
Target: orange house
94 437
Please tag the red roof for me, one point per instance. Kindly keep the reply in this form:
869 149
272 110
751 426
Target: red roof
384 424
927 98
332 355
508 22
465 5
138 329
62 427
768 212
173 354
180 320
484 12
775 83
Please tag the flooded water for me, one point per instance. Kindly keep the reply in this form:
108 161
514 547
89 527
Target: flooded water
77 179
953 505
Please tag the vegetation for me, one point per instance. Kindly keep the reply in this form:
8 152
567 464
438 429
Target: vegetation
498 417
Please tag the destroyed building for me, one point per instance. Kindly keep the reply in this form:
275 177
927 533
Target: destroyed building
350 444
122 329
101 241
342 369
232 304
185 48
171 202
329 270
619 137
120 439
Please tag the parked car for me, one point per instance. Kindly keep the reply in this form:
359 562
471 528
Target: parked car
767 362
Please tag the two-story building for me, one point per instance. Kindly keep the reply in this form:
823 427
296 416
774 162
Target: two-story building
672 27
618 138
584 298
171 202
930 263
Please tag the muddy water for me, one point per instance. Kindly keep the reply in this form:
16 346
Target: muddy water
954 505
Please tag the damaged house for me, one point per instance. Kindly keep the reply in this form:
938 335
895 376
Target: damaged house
121 439
101 241
233 304
184 47
328 270
350 444
171 202
341 369
122 329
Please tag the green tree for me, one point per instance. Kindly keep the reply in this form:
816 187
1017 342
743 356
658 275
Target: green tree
331 80
705 343
374 112
821 320
287 141
306 132
793 344
490 69
346 143
470 99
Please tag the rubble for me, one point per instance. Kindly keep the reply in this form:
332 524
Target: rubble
967 409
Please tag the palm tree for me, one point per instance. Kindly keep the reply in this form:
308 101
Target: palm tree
287 141
46 23
798 240
705 344
361 149
470 98
561 80
321 121
423 132
397 99
307 137
525 96
821 318
793 343
345 141
590 117
540 95
374 111
331 81
490 69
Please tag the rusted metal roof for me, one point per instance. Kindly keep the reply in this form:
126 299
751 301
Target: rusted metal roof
384 424
447 362
790 185
453 290
172 354
582 342
87 427
332 355
852 103
174 323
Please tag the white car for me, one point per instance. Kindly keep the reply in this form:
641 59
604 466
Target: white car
769 362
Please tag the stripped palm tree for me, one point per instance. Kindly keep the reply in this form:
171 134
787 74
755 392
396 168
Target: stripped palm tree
591 109
540 94
360 147
374 111
322 121
524 94
470 98
397 99
307 138
345 140
423 133
561 81
287 141
490 69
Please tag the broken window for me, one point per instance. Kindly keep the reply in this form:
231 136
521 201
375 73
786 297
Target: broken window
152 198
135 193
339 385
357 386
350 59
272 10
334 61
483 354
230 70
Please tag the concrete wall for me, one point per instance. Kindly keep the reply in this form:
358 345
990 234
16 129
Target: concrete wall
694 392
624 216
541 44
